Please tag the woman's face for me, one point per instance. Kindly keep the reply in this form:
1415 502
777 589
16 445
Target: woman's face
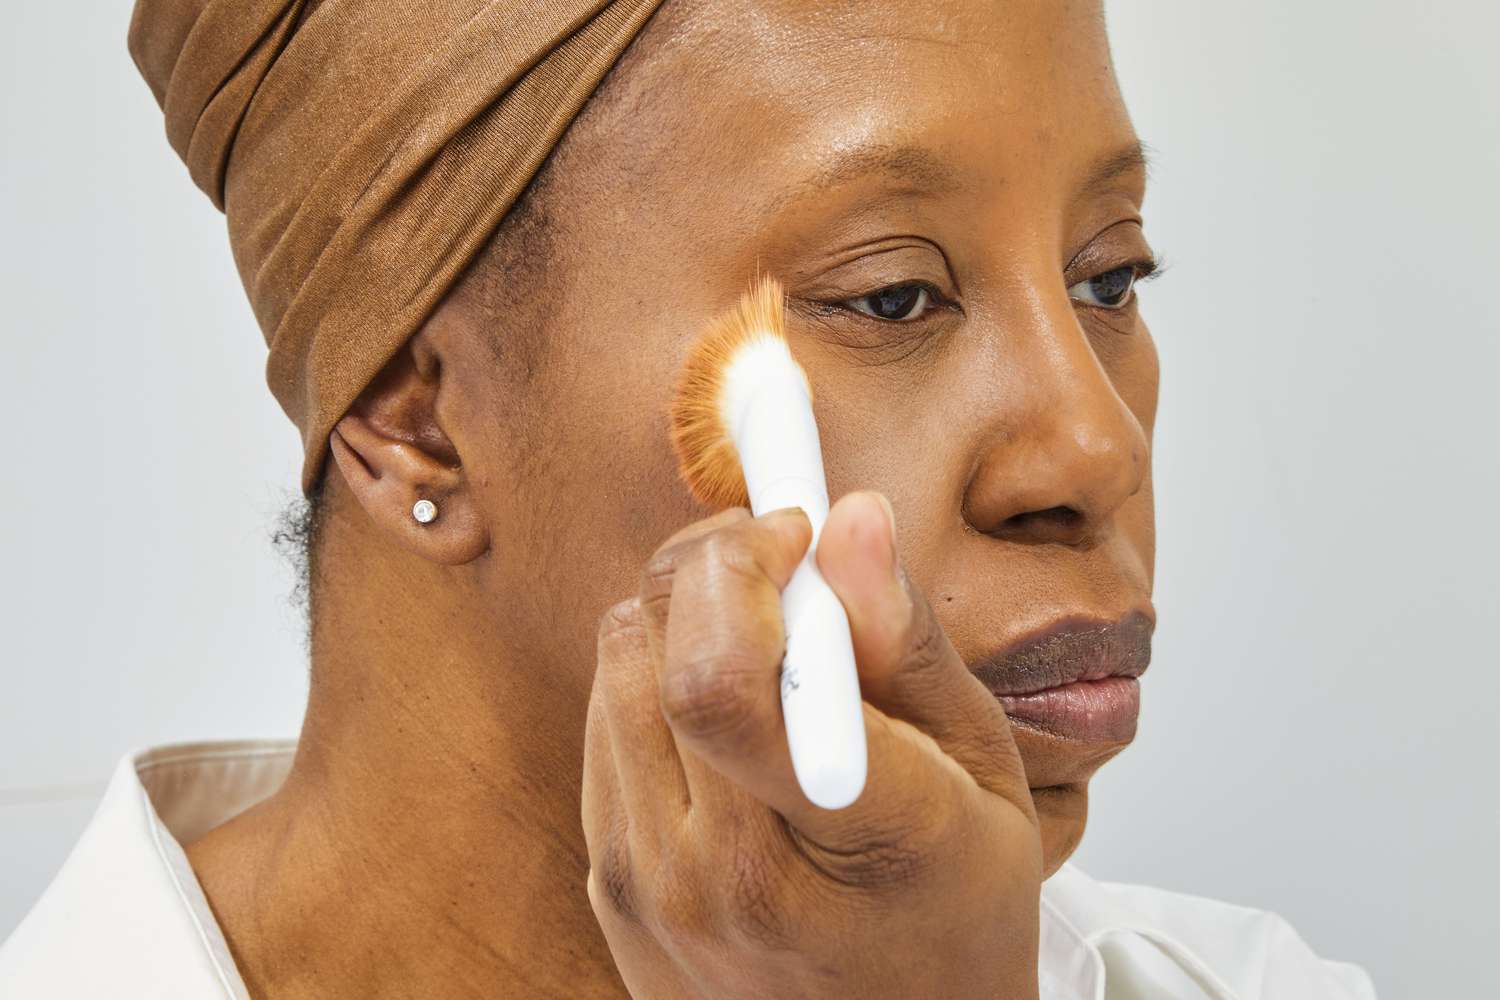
973 161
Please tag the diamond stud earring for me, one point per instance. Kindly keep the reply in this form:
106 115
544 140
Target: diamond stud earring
425 511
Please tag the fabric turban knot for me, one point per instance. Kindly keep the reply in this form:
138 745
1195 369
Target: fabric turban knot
363 151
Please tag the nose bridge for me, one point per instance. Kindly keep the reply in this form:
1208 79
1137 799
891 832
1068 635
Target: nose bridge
1067 451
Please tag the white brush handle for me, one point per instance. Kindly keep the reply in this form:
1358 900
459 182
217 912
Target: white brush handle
782 459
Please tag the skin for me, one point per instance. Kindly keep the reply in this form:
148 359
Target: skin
428 840
712 875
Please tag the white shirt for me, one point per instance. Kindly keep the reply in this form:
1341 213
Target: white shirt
125 917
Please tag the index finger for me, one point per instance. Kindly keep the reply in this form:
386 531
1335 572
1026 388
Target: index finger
713 607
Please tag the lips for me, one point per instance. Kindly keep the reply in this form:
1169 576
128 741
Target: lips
1075 679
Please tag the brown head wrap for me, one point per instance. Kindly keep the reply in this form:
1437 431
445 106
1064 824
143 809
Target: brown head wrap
363 152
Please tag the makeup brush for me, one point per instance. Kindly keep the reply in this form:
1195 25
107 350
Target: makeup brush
743 430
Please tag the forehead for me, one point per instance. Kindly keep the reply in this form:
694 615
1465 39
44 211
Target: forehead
961 92
988 43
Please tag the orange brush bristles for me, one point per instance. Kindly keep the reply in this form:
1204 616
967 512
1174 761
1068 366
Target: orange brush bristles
706 455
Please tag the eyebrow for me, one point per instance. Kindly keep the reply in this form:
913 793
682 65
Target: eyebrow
924 172
1108 169
916 166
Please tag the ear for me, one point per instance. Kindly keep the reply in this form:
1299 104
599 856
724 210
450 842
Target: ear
392 452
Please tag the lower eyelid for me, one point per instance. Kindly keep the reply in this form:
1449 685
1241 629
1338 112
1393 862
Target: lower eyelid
1125 303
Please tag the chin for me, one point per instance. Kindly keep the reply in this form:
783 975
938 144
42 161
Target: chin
1062 811
1059 771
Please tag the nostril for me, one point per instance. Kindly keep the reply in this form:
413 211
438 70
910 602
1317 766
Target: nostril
1055 524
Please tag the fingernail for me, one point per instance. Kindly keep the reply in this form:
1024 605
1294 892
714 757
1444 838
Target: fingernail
785 512
893 565
890 517
890 521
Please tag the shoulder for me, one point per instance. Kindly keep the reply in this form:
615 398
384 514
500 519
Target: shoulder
1224 948
125 916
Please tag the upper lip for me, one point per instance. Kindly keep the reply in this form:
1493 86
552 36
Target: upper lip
1068 650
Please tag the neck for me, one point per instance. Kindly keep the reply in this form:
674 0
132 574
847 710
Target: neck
428 839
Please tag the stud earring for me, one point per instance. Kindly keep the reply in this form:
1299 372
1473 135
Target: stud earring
425 511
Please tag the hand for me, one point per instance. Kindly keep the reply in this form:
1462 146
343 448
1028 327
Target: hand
711 873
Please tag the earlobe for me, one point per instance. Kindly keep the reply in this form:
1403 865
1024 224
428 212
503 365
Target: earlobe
424 510
412 495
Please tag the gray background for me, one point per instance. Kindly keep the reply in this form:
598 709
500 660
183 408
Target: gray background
1318 718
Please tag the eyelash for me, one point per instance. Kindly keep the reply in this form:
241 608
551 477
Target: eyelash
1143 269
935 300
1146 268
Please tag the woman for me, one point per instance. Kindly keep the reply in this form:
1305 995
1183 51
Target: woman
542 754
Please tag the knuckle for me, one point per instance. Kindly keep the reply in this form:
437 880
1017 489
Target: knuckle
757 899
885 853
710 698
927 646
620 630
615 879
678 912
725 550
730 552
657 574
889 864
886 863
698 529
620 621
680 917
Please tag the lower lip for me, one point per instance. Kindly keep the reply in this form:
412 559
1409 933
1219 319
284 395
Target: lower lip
1103 711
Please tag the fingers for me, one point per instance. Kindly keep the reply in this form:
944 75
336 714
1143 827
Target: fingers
605 822
712 603
652 786
642 757
708 634
657 813
907 666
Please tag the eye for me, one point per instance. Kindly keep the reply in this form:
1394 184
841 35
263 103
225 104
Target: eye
895 303
1110 290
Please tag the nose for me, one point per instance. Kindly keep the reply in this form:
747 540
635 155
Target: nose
1064 451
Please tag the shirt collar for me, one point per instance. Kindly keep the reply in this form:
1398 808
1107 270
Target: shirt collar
129 895
126 915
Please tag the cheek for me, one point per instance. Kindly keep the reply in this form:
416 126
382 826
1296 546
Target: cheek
580 483
1128 356
613 493
1139 378
909 428
1130 360
1139 387
871 437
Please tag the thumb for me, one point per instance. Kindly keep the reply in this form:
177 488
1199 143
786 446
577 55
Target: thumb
908 668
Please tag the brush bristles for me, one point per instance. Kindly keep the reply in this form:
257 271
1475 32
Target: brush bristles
706 455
